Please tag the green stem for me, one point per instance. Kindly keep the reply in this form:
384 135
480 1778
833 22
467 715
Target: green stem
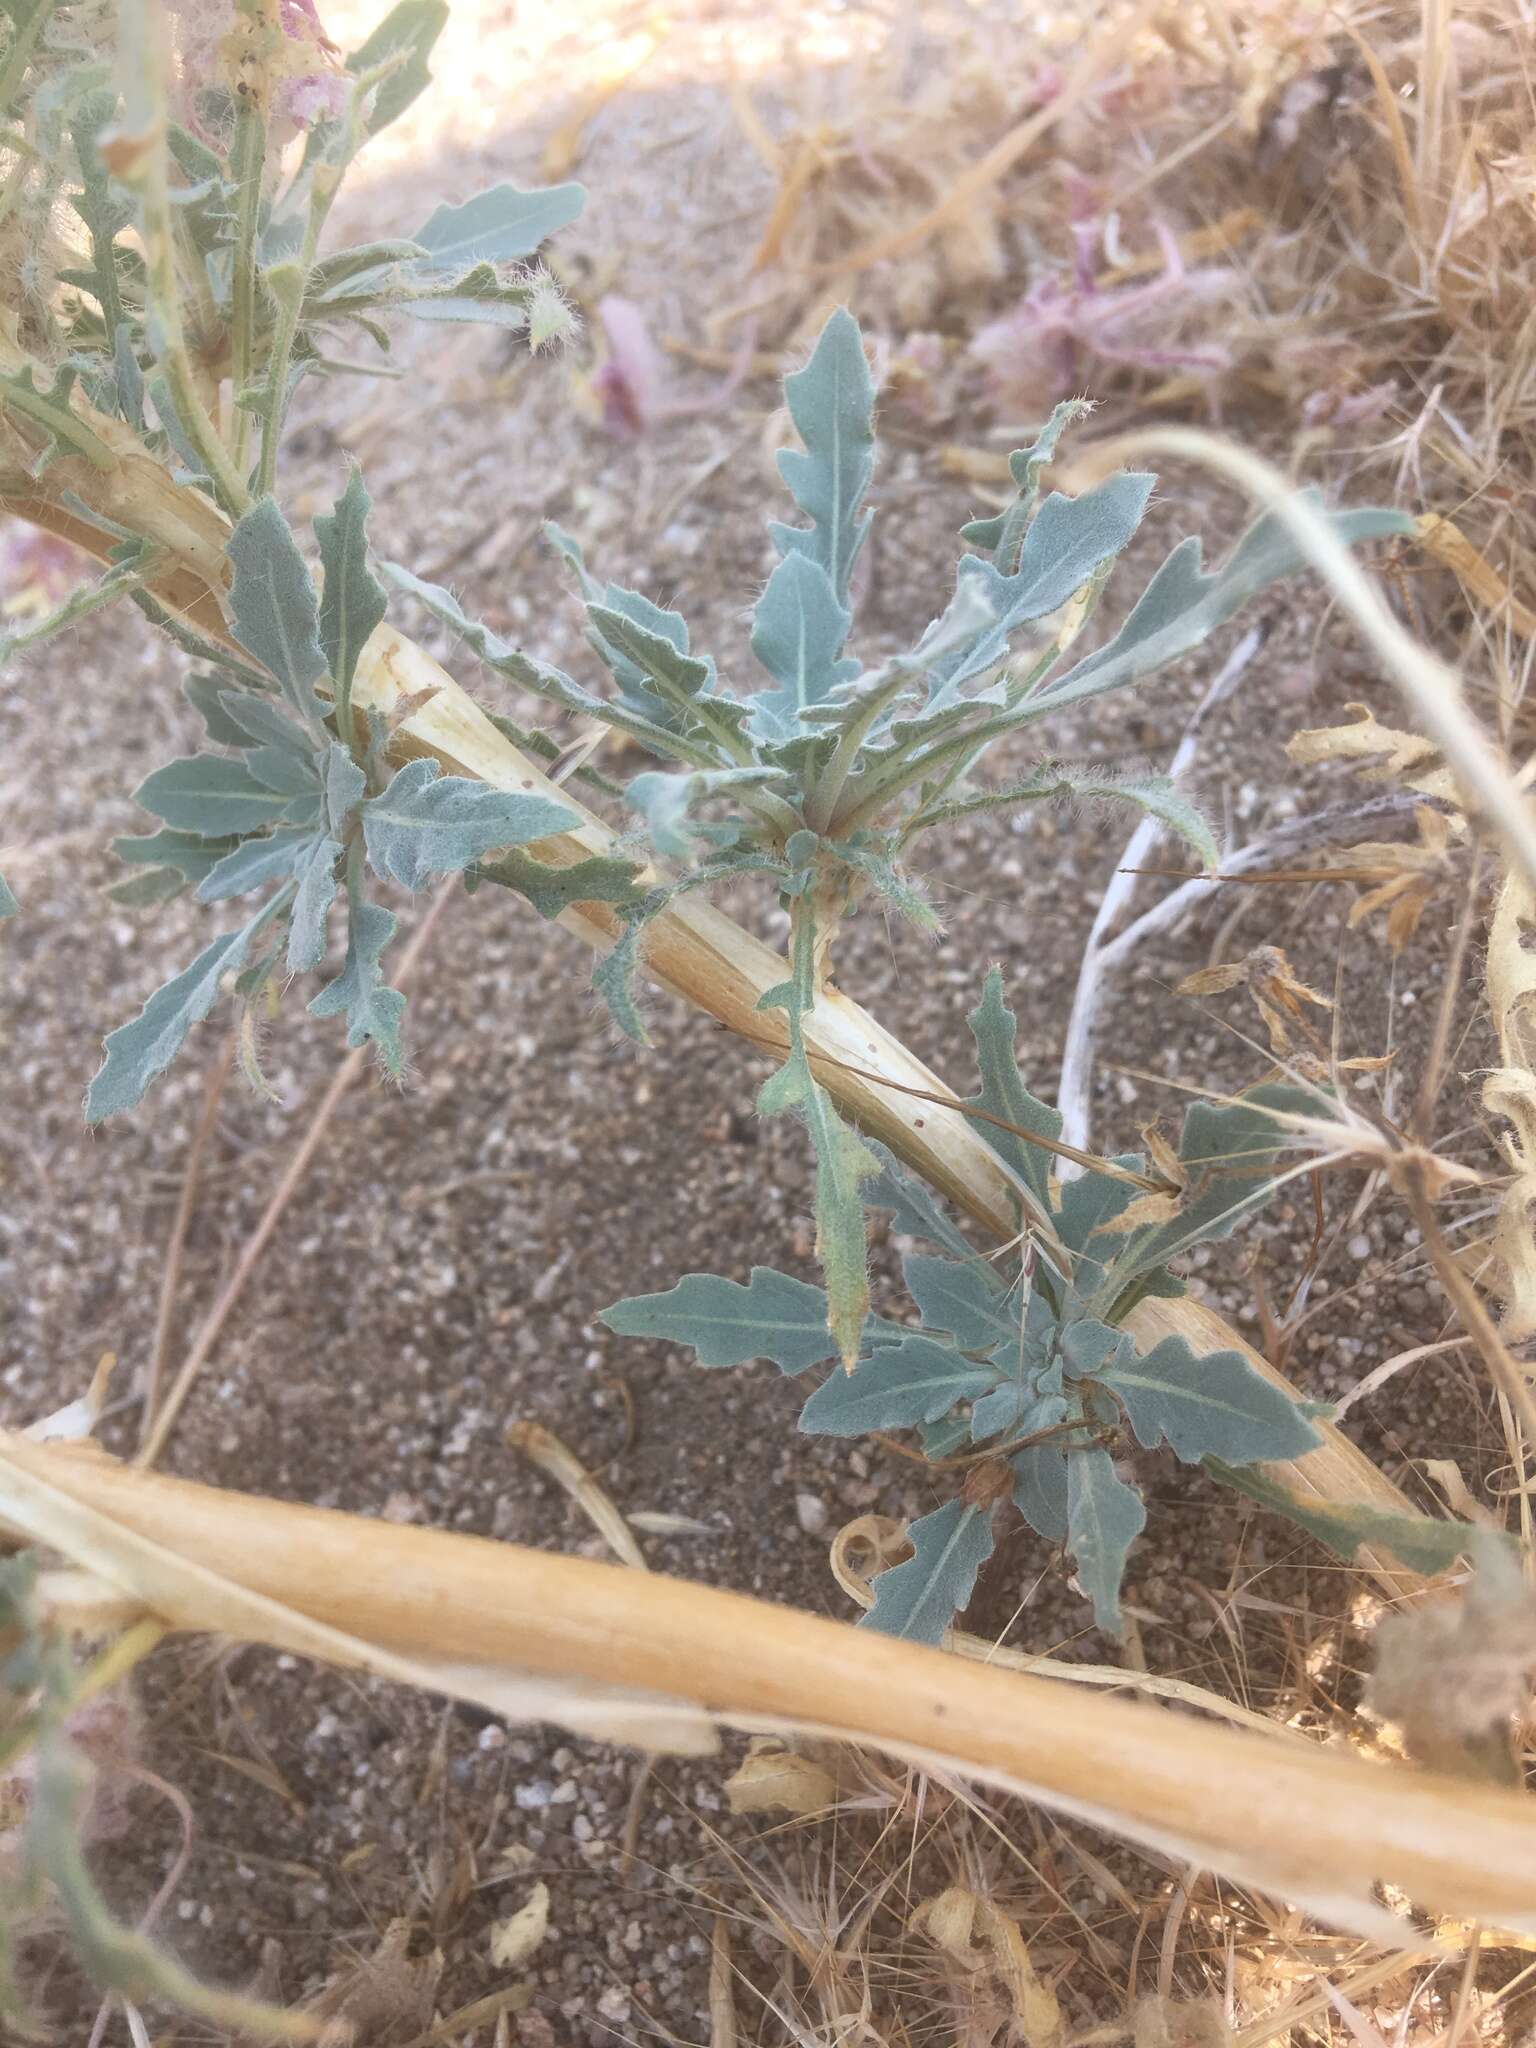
247 160
22 49
172 354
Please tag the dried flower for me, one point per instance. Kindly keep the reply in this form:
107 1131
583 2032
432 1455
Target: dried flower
1048 344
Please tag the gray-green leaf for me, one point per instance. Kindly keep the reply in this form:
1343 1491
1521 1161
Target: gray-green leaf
353 601
431 824
1182 605
501 225
911 1381
920 1599
1212 1405
373 1009
414 26
832 403
316 872
1003 1094
774 1316
965 1299
251 864
798 630
207 794
1104 1518
272 603
136 1053
843 1160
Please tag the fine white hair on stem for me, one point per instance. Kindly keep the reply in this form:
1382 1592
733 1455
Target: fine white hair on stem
1431 687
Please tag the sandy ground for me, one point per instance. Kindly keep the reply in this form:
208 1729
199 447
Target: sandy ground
439 1273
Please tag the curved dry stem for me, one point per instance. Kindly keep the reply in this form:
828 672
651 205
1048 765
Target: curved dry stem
1314 1826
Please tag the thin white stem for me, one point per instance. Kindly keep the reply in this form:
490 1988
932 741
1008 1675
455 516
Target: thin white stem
1072 1097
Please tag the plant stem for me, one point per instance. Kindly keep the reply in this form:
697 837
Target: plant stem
22 49
172 353
247 160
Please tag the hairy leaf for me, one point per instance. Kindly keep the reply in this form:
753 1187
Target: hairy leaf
414 26
1214 1404
1229 1151
774 1317
8 904
1068 540
344 787
501 225
138 1052
798 630
920 1599
602 878
426 823
664 801
252 864
272 603
842 1161
994 1028
1182 605
1025 466
912 1207
315 870
207 794
1040 1486
185 853
910 1381
211 696
1426 1546
373 1009
832 403
965 1299
353 603
1104 1518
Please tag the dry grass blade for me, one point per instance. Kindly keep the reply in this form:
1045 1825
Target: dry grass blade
1322 1830
543 1448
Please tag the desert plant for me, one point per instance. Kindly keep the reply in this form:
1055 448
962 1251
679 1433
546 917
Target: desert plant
823 781
149 359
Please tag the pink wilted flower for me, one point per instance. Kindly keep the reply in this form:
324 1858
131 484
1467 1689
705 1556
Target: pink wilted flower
1047 346
630 384
37 570
216 43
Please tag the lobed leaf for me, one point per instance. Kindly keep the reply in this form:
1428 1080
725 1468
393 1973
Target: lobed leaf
373 1009
501 225
966 1299
138 1052
1208 1405
910 1381
1069 539
1104 1518
920 1599
252 864
315 871
410 28
1002 1093
843 1160
832 403
724 1323
426 823
211 796
798 631
1423 1544
272 605
353 602
1182 604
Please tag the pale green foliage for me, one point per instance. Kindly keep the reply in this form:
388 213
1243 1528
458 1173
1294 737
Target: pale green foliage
426 823
1034 1371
